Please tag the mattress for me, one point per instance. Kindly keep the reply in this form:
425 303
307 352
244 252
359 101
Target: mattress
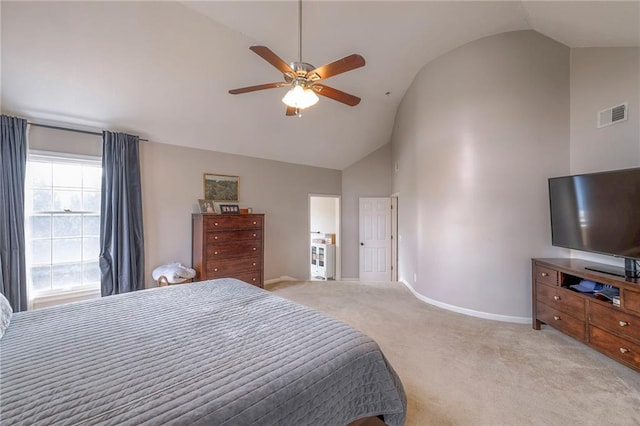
219 352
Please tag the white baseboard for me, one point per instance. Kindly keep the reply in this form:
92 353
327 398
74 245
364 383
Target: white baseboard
465 311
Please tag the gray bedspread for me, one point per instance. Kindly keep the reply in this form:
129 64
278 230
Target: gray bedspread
219 352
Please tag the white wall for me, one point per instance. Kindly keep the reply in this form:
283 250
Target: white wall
601 78
369 177
323 214
476 137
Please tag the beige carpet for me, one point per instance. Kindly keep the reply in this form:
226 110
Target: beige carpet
460 370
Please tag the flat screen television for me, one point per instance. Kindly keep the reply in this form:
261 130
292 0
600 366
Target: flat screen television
600 213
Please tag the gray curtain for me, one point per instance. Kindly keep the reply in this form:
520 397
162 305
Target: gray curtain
13 165
121 238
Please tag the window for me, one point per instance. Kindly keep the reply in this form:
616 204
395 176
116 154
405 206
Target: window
62 226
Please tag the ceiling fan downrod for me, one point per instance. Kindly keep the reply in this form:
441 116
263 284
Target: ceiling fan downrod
300 68
299 31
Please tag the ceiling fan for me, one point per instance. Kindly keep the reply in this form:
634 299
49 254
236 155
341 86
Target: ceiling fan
304 78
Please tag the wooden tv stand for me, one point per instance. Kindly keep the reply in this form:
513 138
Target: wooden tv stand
612 330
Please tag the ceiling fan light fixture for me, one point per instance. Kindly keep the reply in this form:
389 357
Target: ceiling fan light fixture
300 97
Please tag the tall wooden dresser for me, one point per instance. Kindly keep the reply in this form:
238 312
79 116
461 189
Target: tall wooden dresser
228 246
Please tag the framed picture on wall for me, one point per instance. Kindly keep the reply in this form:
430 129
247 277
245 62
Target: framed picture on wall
221 187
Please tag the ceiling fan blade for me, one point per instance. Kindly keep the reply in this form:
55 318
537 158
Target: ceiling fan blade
345 64
291 111
266 54
258 87
336 95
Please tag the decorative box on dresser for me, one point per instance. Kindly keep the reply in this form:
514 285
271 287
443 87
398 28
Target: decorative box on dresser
612 330
228 246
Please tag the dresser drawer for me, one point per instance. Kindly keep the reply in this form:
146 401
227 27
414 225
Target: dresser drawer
610 318
546 275
213 223
254 278
235 249
229 236
562 321
631 300
616 347
561 299
229 267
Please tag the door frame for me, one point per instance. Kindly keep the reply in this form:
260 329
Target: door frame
338 275
394 236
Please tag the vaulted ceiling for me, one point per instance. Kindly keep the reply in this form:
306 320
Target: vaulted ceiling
162 69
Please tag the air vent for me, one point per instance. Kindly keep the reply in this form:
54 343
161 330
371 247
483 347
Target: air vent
612 115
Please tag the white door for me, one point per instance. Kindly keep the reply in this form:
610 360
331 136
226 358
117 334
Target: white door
375 239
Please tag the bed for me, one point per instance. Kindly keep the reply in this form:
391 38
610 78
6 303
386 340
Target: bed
218 352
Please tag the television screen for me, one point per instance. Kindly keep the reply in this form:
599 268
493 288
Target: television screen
597 212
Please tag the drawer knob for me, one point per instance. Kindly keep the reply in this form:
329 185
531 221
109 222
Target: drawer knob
215 269
215 252
255 223
215 238
254 249
556 317
556 298
623 323
215 223
254 264
254 235
253 279
624 350
544 274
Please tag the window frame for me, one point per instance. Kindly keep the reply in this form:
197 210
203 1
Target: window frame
52 158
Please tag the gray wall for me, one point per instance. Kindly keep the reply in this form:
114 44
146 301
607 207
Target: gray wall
369 177
476 137
601 78
45 139
172 179
172 182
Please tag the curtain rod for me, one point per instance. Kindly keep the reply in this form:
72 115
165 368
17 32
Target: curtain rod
86 132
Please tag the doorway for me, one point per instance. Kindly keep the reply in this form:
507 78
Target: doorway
324 237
